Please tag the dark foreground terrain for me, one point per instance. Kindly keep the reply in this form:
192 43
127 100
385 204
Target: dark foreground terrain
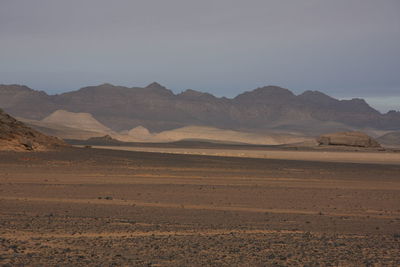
112 208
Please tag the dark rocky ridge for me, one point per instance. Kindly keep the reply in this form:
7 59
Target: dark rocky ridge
157 108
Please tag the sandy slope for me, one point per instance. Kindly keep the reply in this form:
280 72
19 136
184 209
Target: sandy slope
83 121
81 126
61 131
215 134
326 156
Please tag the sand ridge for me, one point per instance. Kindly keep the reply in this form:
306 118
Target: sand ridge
328 156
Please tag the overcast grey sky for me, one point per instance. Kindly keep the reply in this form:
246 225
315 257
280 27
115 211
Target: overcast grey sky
345 48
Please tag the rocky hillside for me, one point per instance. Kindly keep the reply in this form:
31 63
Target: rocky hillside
16 136
157 109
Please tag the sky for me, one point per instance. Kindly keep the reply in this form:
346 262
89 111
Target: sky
345 48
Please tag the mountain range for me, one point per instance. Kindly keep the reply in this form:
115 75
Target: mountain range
158 108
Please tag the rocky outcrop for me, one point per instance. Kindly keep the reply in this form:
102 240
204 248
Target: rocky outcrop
354 139
103 140
16 136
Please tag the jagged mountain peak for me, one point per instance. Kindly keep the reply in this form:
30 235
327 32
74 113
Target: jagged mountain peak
265 95
95 88
159 89
317 98
269 90
155 85
106 85
193 94
272 89
15 87
314 94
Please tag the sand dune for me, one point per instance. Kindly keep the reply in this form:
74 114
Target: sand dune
138 133
215 134
60 130
84 121
81 126
71 125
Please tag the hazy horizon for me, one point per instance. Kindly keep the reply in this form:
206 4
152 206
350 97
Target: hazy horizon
343 48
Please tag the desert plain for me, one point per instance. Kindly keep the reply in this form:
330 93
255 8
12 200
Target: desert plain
97 207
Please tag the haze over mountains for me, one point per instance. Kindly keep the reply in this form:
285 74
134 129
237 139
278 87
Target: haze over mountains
158 109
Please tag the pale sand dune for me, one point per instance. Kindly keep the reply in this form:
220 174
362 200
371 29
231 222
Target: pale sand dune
81 126
141 134
215 134
137 134
60 130
140 131
70 125
83 121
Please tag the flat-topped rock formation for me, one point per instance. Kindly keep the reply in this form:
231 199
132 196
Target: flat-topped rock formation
353 139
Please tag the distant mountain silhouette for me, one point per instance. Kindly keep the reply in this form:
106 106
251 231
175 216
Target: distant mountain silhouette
157 108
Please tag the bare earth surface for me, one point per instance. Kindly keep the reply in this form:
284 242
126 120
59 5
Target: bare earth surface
372 156
112 208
